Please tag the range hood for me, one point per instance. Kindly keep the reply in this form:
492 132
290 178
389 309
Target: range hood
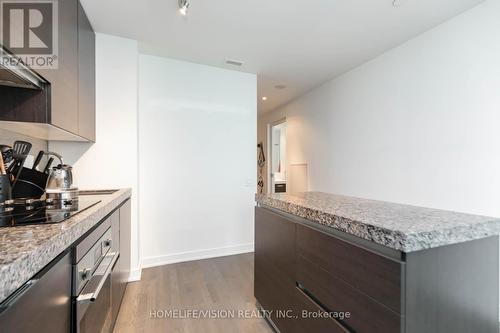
14 73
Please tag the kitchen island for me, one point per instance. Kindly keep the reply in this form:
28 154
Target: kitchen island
37 262
372 266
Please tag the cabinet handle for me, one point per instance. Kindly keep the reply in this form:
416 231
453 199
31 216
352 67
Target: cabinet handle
17 295
320 305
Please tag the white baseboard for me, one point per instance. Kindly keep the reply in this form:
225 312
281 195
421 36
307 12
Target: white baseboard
135 275
196 255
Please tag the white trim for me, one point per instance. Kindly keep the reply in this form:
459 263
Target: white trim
135 275
270 152
196 255
269 157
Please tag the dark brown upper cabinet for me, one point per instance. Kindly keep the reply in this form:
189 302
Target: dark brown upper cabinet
86 76
63 109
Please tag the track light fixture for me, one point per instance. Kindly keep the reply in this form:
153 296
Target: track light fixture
183 7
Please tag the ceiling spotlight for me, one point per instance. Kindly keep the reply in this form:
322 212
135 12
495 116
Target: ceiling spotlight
264 98
183 7
233 62
398 3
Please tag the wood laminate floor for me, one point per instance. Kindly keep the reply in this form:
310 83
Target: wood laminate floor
219 287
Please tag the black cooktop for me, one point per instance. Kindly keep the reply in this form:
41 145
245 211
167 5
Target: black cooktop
34 211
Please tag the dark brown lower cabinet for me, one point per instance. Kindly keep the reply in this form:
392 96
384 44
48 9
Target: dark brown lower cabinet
98 316
313 280
274 263
43 304
117 280
120 228
365 313
118 283
310 317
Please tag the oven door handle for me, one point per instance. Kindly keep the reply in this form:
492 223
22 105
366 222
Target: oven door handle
91 297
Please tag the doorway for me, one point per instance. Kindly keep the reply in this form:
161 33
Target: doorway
277 173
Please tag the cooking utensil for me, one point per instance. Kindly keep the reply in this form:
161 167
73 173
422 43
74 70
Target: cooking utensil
47 166
68 194
20 151
2 166
22 147
6 152
38 159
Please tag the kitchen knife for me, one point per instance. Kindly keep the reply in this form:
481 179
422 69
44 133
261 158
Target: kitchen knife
49 163
38 159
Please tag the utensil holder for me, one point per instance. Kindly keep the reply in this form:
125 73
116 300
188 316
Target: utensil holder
5 188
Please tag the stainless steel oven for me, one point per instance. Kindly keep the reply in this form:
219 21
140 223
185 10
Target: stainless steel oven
94 261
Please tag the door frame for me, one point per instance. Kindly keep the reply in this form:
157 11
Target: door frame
270 151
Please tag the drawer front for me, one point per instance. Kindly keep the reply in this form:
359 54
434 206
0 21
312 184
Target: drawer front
311 320
45 306
275 242
275 296
377 276
88 241
274 266
366 314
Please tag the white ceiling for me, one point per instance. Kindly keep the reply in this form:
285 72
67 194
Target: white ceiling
299 43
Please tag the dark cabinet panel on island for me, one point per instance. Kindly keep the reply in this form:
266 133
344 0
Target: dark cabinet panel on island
365 313
274 267
361 287
351 263
310 321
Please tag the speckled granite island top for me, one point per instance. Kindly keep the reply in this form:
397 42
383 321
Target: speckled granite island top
25 250
400 227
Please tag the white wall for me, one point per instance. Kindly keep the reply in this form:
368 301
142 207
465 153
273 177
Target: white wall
197 134
197 152
418 125
112 161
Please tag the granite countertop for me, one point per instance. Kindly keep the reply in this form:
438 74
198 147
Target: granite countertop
25 250
401 227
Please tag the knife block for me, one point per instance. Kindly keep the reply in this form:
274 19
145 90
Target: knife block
30 184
